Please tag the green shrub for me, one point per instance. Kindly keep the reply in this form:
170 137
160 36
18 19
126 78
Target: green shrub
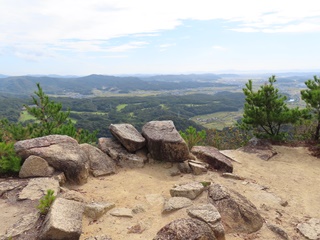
9 161
192 137
46 202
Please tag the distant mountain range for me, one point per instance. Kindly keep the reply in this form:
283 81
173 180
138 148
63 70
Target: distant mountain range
60 85
84 85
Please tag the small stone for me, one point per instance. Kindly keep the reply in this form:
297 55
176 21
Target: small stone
278 231
189 190
138 209
310 229
197 168
136 229
122 212
232 176
283 203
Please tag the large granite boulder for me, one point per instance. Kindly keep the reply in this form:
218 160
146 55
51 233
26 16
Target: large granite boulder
182 229
164 141
128 136
64 221
213 157
120 155
238 214
61 152
100 163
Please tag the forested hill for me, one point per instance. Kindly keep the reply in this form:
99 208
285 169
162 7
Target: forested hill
25 85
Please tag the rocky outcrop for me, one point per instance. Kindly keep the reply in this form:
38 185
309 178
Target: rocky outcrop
61 152
64 221
35 166
182 229
237 212
213 157
100 163
128 136
164 141
120 155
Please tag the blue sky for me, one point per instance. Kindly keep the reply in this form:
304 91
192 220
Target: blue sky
81 37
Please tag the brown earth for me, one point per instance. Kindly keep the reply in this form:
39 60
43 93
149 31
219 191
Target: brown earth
292 175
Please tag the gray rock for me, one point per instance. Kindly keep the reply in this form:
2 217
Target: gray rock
60 177
37 188
64 221
232 176
213 157
9 185
182 229
128 136
198 168
210 215
188 190
237 212
120 155
61 152
121 212
100 163
277 230
24 224
35 166
184 167
96 210
176 203
164 141
310 229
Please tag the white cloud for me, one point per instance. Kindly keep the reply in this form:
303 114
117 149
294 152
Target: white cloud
126 47
48 23
219 48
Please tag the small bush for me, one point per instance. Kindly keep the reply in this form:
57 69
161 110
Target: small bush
9 161
46 202
192 137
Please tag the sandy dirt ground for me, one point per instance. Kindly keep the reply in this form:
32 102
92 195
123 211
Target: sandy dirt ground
293 175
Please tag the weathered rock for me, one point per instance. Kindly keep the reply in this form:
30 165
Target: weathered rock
64 220
100 237
176 203
120 155
9 185
277 230
37 188
237 212
213 157
182 229
24 224
122 212
210 215
96 210
60 177
164 141
184 167
129 137
35 166
189 190
63 153
310 229
100 163
198 168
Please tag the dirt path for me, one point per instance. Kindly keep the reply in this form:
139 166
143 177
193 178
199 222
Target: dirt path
292 175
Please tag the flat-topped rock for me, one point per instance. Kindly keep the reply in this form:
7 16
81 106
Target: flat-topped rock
189 190
176 203
213 157
128 136
164 142
61 152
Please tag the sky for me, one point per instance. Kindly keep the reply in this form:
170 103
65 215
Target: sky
115 37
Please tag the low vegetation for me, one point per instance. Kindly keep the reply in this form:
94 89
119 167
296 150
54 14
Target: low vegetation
46 201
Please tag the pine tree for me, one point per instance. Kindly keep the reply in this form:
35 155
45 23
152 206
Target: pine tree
312 98
266 109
